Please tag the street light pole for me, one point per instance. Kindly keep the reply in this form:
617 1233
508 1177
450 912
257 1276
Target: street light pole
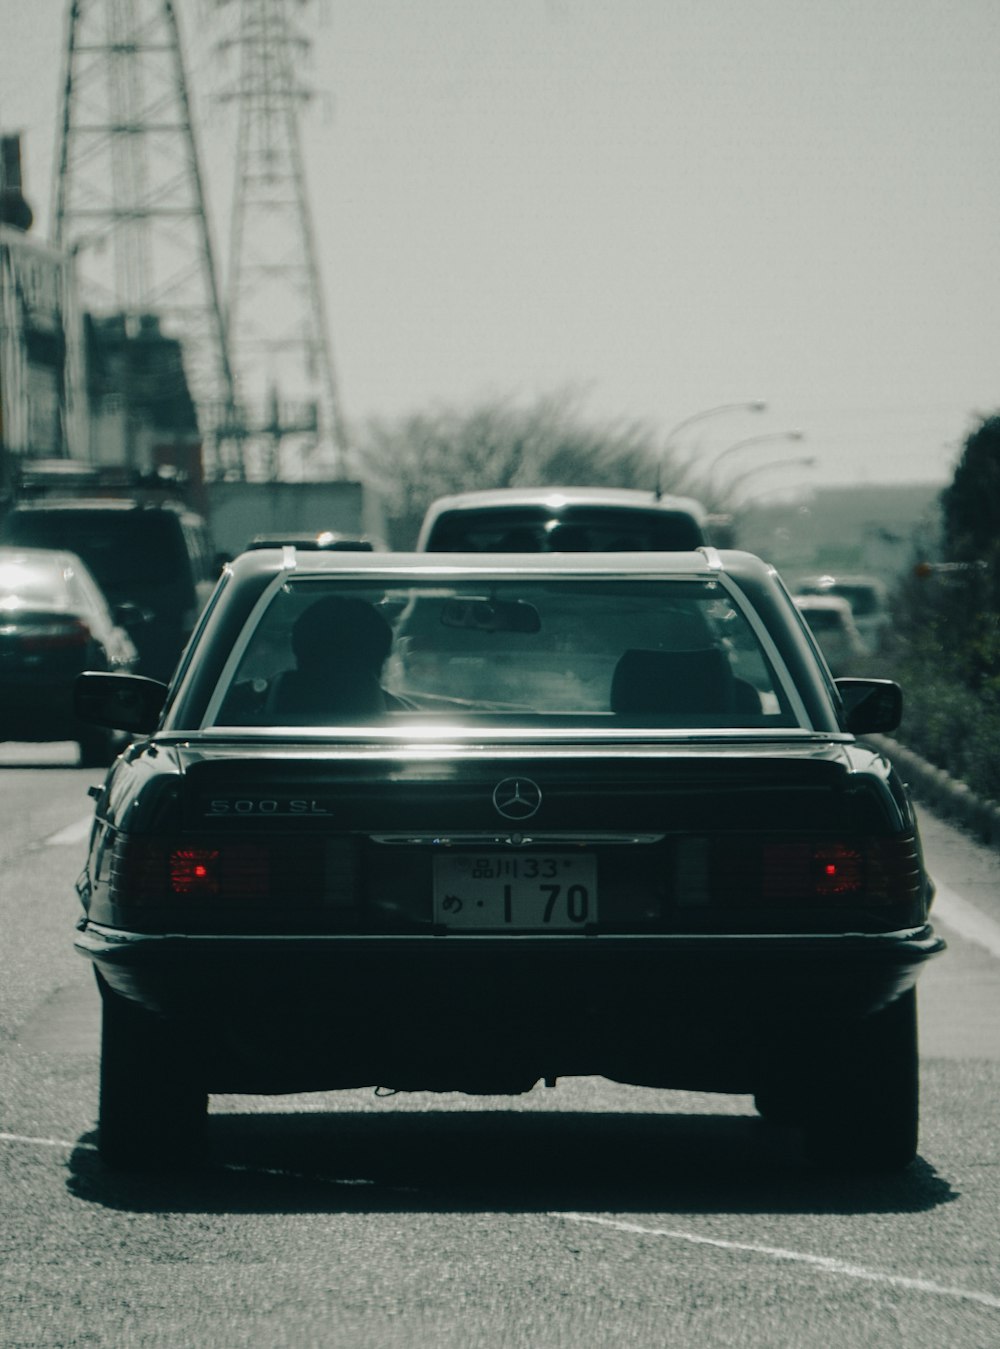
807 462
755 405
746 443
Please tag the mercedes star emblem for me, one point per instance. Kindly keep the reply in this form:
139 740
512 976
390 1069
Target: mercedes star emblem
517 798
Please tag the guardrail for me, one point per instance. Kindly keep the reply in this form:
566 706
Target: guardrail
941 792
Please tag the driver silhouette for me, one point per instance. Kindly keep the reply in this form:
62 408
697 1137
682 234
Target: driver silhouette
340 644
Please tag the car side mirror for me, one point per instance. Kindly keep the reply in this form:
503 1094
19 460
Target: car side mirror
125 702
871 706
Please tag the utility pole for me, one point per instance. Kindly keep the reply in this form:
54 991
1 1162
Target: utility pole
275 312
129 205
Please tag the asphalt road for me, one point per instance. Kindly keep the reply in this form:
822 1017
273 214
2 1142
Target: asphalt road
588 1215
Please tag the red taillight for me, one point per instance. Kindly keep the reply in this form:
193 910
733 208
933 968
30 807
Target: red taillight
235 871
154 871
838 870
873 870
288 870
195 871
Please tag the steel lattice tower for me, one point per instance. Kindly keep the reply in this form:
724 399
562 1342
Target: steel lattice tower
128 196
274 299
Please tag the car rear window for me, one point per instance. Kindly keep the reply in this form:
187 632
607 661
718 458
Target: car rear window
536 529
647 652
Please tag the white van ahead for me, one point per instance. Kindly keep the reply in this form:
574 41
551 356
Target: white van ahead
563 520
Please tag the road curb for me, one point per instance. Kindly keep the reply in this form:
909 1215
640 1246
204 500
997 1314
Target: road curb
944 794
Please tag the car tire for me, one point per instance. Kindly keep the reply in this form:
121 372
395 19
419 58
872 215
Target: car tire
153 1104
863 1110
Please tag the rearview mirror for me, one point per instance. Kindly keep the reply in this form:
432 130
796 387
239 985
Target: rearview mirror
485 615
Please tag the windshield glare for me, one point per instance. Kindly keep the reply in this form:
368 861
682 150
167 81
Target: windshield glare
657 653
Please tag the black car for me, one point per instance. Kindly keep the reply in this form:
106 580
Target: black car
475 823
54 623
154 555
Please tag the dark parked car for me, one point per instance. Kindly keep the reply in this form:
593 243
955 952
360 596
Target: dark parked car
457 824
54 623
155 555
562 519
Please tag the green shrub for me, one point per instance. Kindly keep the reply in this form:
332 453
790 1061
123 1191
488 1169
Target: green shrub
947 722
947 625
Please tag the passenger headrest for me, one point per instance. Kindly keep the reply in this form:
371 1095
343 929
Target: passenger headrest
672 682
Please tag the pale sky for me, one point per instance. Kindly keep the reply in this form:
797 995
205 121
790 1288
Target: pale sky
667 204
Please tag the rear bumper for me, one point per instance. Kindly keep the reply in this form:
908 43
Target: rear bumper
117 946
497 1013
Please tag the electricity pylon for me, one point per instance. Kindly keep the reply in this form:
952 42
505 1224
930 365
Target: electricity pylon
275 313
128 198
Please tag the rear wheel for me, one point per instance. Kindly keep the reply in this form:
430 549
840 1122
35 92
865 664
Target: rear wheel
863 1106
153 1104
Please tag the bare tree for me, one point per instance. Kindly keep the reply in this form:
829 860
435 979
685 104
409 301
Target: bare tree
501 443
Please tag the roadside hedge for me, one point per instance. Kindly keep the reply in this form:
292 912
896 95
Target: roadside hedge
951 722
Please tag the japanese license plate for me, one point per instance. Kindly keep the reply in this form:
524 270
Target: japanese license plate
531 892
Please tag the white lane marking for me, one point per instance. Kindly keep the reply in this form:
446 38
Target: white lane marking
44 1142
73 833
825 1263
966 920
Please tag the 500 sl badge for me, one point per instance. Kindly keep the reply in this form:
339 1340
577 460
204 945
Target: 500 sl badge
266 805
